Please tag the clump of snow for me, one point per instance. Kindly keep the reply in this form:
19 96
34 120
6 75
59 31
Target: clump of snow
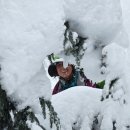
116 57
125 14
29 30
116 96
33 126
77 106
116 61
94 18
110 112
122 38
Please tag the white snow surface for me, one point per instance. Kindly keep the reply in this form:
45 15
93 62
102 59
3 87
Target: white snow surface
77 104
29 30
99 20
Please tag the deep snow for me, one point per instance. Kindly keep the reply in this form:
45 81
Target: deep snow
30 30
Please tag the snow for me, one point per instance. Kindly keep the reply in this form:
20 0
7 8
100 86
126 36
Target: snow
118 59
26 33
125 14
77 103
30 30
33 126
94 18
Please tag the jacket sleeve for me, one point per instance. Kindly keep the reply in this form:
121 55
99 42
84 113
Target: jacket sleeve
89 83
56 89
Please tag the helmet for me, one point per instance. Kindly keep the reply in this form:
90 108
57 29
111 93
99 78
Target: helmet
52 71
54 58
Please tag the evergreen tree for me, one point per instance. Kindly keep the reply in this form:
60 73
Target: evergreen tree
54 120
111 85
5 108
114 93
13 119
74 44
103 63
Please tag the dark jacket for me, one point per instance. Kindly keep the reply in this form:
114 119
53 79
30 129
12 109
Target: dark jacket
78 79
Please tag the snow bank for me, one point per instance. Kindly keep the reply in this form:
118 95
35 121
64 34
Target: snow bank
77 105
29 30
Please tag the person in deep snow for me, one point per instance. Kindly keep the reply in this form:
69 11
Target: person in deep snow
69 76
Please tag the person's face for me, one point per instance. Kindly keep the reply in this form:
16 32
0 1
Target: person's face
65 73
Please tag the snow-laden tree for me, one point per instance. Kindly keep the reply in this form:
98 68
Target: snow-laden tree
29 30
116 88
106 58
74 44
